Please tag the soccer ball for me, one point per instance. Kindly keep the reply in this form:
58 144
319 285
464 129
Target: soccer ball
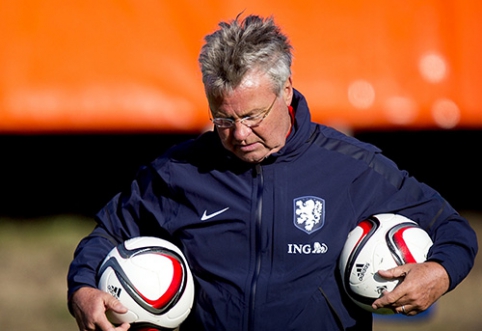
151 278
380 242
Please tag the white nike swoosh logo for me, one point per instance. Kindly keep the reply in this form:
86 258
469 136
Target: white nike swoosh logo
205 216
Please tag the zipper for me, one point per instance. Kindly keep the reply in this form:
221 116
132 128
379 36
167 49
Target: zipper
337 316
258 218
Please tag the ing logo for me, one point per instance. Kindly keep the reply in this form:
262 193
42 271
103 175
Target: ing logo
305 249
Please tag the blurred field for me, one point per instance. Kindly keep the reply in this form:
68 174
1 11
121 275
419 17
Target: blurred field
35 255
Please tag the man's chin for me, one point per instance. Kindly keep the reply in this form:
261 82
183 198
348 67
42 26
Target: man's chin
251 157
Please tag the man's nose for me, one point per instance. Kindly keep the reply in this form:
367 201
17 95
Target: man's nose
241 131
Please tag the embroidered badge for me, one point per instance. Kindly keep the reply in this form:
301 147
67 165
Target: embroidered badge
309 213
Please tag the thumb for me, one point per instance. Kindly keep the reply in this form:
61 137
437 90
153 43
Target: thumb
397 272
115 305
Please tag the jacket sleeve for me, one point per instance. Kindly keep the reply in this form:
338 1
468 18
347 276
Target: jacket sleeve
88 256
135 212
383 188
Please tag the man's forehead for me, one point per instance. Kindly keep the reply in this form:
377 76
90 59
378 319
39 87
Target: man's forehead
231 106
250 95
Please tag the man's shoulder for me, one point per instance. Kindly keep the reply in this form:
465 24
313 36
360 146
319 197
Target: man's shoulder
336 141
200 151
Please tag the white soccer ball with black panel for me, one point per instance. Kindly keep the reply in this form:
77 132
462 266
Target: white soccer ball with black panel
150 276
380 242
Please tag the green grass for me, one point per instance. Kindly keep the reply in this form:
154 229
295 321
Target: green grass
35 255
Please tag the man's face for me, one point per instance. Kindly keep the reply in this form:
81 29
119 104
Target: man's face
254 96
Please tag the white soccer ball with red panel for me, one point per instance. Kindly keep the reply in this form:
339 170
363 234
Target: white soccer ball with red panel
151 277
382 241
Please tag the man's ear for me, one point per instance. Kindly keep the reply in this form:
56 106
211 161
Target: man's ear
288 91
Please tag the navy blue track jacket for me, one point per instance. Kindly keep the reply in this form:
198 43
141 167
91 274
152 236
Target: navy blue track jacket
261 260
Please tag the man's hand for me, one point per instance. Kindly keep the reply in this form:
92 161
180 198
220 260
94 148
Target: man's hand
422 284
89 306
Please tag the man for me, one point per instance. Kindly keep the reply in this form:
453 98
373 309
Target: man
230 199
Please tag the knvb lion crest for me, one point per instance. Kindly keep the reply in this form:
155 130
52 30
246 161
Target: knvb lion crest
309 213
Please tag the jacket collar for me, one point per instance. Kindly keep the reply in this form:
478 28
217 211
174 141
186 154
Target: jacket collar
300 131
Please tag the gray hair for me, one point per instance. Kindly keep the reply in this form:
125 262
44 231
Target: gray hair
240 46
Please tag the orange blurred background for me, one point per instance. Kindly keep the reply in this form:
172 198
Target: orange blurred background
86 66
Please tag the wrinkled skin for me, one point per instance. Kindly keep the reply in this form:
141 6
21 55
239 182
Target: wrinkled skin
422 285
253 96
89 306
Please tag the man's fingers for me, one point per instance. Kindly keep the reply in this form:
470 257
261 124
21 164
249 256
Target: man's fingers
123 327
388 299
89 306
